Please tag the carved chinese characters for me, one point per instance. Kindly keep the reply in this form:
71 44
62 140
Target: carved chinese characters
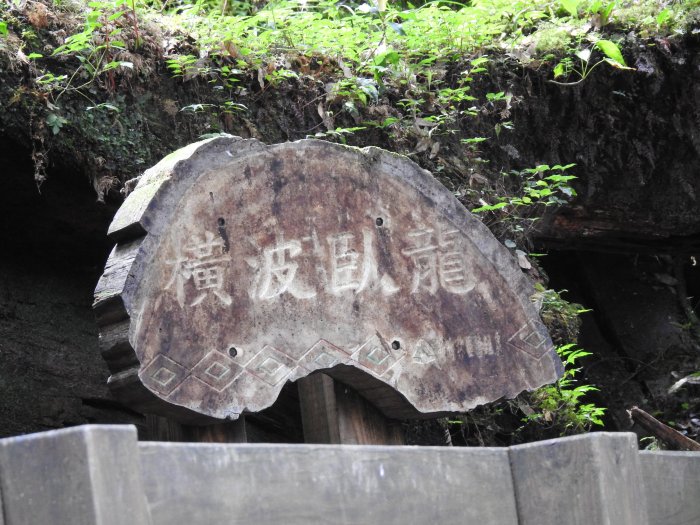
261 265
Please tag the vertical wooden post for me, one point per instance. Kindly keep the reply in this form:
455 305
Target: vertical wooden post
229 432
160 428
334 413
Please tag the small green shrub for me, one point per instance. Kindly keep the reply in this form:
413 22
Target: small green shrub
561 405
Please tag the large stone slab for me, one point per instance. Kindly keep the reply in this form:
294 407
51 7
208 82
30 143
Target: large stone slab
672 487
88 475
579 480
343 485
241 266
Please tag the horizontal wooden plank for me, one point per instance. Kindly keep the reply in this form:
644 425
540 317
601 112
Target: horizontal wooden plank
99 475
672 487
342 485
127 387
115 347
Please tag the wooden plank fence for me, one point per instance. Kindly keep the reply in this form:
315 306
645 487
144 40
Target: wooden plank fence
101 475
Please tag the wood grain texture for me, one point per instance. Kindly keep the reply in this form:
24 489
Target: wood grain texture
87 475
241 267
334 413
319 411
579 480
670 436
672 486
360 423
327 484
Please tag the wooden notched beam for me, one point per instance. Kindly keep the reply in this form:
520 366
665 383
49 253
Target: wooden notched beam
668 435
240 267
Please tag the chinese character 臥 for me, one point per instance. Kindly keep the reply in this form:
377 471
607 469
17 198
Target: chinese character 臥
351 270
280 270
438 264
204 263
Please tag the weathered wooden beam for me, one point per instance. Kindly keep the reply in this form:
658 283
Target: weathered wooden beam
100 475
342 485
671 486
668 435
88 475
319 412
589 478
361 423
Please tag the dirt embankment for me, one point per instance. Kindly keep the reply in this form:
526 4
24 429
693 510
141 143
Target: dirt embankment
634 136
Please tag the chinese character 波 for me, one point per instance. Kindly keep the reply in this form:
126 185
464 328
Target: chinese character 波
204 263
280 271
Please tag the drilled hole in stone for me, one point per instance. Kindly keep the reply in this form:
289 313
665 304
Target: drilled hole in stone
379 221
395 345
233 351
221 221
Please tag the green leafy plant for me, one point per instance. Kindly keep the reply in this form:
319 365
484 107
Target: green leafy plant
663 17
94 48
581 71
542 185
55 122
601 12
339 134
182 65
571 7
562 405
517 205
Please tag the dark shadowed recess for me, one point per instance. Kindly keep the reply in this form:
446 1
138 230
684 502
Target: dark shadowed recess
53 249
642 328
60 226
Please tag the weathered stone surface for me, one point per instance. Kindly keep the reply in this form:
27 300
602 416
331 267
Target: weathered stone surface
85 475
262 264
579 480
671 487
343 485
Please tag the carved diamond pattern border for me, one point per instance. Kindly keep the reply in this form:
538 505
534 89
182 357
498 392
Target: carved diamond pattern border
271 365
529 339
163 375
217 370
323 355
376 356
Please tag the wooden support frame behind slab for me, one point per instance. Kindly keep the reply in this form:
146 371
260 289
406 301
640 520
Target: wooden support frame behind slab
336 414
330 412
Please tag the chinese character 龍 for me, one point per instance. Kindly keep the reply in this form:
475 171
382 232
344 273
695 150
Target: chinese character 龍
438 264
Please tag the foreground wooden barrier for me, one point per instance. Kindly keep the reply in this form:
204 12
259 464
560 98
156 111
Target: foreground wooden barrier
102 475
